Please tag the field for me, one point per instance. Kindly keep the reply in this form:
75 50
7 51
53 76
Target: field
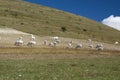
58 64
42 62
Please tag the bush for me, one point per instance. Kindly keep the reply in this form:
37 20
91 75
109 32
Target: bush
84 30
22 23
63 29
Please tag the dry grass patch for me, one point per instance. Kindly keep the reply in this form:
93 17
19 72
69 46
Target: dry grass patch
53 53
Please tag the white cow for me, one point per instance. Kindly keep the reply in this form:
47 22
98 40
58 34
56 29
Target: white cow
89 40
31 43
55 41
69 45
32 37
99 47
116 43
45 42
78 46
51 44
90 46
55 38
19 42
58 41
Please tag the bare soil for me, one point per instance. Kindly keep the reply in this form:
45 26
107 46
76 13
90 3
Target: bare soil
8 37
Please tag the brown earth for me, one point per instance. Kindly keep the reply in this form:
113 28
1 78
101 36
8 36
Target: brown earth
17 53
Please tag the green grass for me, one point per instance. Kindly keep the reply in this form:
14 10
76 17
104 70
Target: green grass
58 64
41 20
75 69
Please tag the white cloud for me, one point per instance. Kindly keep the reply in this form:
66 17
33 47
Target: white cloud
112 21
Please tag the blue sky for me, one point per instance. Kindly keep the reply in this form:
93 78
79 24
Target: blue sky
93 9
104 11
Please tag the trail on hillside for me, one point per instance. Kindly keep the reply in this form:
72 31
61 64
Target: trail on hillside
8 37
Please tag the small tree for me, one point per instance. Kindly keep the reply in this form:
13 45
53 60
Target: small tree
84 30
63 29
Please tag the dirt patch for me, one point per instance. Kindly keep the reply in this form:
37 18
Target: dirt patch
8 37
53 54
10 31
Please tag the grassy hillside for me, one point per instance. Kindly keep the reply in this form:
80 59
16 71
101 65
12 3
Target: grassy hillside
44 21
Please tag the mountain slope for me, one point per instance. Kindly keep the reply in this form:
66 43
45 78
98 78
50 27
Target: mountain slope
44 21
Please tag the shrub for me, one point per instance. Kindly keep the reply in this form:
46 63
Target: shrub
63 29
47 22
22 23
84 30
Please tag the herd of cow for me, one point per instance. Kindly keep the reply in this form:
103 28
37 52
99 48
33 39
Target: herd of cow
55 41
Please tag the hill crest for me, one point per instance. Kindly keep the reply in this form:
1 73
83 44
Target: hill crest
44 21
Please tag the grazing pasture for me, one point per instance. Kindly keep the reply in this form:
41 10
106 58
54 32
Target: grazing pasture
38 61
17 63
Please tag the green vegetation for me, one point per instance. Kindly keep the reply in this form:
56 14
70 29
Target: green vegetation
80 69
23 63
58 64
41 20
63 29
